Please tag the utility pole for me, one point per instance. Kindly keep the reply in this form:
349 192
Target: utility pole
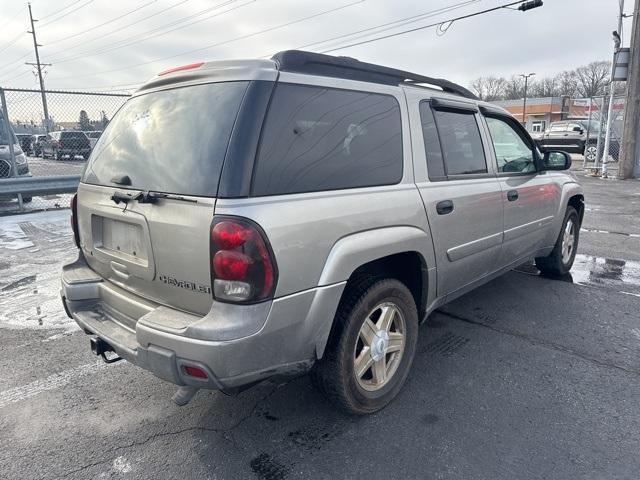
612 89
524 104
39 67
630 157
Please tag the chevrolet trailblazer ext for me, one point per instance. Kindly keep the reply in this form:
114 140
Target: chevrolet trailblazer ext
244 219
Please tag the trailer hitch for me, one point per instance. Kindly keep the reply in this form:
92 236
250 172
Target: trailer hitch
100 347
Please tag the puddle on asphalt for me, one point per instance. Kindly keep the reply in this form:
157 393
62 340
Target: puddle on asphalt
591 270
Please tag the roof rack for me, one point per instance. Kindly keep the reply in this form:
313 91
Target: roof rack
298 61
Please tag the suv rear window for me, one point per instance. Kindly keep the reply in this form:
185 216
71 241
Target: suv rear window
72 135
171 141
317 138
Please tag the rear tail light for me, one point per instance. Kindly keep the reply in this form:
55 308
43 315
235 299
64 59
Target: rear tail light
243 269
59 144
74 219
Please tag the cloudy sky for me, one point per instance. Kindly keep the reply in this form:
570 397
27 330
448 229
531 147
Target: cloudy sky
105 44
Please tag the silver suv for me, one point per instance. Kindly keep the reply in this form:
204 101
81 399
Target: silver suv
239 220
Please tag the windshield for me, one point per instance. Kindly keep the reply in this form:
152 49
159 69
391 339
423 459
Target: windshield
171 141
592 125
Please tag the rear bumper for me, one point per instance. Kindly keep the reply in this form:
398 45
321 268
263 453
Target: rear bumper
236 345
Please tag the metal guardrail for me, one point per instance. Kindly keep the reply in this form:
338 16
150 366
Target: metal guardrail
39 185
22 110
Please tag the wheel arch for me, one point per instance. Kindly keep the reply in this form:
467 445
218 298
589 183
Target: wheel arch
404 253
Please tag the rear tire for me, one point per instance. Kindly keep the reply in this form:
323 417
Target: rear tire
560 260
27 199
371 346
591 152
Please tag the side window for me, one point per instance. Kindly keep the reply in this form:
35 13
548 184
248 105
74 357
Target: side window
317 138
461 142
558 127
435 163
512 152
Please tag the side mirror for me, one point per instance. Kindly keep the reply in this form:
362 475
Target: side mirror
578 129
556 160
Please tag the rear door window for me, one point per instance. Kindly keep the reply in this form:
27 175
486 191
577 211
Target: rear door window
317 138
461 142
171 141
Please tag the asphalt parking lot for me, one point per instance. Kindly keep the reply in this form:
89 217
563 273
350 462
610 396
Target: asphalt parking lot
525 378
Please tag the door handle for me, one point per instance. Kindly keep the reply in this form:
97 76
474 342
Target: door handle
444 207
512 195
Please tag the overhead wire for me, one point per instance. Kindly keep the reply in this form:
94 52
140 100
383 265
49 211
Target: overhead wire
140 37
206 47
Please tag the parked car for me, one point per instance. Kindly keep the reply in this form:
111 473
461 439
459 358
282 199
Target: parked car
577 136
36 144
22 165
246 219
93 136
25 142
66 143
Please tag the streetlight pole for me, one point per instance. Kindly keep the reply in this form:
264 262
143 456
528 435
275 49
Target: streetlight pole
524 104
612 91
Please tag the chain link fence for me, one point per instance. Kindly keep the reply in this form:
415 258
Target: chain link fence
51 149
603 153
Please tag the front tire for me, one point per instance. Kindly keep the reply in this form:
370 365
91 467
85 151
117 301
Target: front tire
560 260
371 346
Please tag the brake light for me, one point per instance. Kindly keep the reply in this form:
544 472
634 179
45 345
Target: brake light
243 269
74 219
59 144
191 66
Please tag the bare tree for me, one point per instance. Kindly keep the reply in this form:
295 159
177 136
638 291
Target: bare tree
545 87
489 88
593 79
514 88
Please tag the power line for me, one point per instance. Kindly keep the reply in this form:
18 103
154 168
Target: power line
58 11
66 14
404 32
206 47
141 37
90 29
12 41
123 27
396 23
10 19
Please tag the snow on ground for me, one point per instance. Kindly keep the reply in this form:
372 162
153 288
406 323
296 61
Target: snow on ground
33 248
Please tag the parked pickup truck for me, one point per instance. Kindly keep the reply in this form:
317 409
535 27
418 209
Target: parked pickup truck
245 219
576 136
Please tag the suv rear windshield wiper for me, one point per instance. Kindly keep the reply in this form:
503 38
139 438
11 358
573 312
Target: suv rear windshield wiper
147 197
153 197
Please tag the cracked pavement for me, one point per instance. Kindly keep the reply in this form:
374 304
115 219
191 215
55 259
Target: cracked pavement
526 377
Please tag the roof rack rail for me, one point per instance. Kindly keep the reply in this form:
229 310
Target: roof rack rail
299 61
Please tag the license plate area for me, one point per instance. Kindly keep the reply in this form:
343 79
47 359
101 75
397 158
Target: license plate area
123 240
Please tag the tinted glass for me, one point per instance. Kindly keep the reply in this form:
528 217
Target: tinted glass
461 143
512 153
318 138
171 141
435 164
70 135
4 137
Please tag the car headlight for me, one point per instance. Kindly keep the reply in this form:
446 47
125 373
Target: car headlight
21 159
